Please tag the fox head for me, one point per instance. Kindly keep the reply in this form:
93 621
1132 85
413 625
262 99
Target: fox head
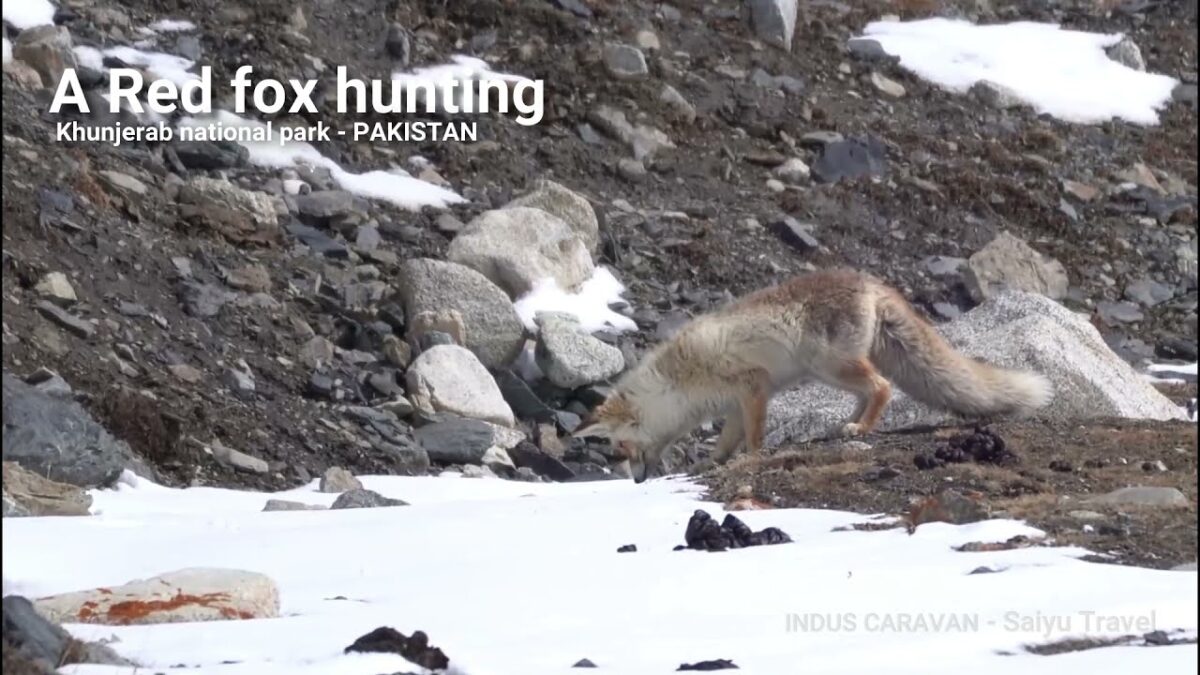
619 421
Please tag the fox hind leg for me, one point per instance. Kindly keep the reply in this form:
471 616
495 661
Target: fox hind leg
754 409
873 390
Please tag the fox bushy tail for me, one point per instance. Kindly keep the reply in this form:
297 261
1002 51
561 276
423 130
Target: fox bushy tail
911 353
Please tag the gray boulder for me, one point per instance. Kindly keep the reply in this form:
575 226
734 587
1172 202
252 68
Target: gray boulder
1013 329
57 439
557 200
569 356
494 331
449 378
519 246
458 440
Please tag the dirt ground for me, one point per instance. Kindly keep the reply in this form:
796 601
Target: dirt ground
1056 468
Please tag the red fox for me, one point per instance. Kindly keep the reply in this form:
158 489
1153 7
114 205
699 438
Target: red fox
844 328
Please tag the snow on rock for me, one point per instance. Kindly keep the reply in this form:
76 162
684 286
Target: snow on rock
25 14
7 51
183 596
1064 73
160 65
394 187
487 567
591 304
1012 329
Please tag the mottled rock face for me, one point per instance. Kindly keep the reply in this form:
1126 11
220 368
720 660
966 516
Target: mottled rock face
493 330
193 594
519 246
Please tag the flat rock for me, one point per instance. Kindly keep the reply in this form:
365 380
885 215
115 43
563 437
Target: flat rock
449 378
494 331
288 505
1012 329
460 440
625 62
1140 496
850 159
75 325
39 496
517 247
1008 262
181 596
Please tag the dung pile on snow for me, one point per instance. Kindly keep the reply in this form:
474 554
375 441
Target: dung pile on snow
415 648
705 534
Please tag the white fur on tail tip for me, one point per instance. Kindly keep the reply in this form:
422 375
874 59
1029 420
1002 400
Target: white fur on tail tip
1034 390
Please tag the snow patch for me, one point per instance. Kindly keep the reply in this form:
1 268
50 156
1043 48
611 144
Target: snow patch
159 64
487 567
397 188
172 26
590 304
1064 73
7 51
25 14
1179 368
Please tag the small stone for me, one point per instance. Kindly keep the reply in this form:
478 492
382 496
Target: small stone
1081 191
73 324
1162 497
316 353
186 373
1117 313
249 278
796 234
1127 53
123 182
57 288
647 40
337 479
239 380
237 459
287 505
888 86
625 62
794 170
995 95
678 107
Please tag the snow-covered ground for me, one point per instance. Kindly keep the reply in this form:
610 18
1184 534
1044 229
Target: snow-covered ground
513 578
1064 73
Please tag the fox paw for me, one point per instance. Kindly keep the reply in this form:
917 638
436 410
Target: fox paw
851 429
